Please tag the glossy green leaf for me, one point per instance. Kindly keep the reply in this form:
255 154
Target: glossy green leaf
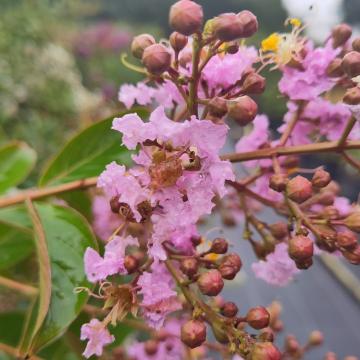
16 161
87 154
67 235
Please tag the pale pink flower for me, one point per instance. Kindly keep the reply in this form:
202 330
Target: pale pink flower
278 269
139 93
97 335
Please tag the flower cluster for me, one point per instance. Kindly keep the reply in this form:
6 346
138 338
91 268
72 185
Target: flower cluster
197 82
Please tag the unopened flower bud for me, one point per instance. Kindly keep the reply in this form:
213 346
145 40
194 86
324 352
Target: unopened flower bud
330 356
351 64
278 182
249 22
334 69
356 44
301 248
321 178
227 27
243 110
299 189
230 266
279 230
253 84
217 107
266 334
346 239
219 246
211 283
265 351
156 58
151 347
341 34
326 198
258 317
292 346
229 309
185 58
140 43
351 358
178 41
186 17
115 204
316 338
131 263
353 221
353 256
278 325
352 96
189 266
193 333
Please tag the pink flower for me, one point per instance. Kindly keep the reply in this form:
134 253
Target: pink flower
278 269
98 336
99 268
131 94
159 298
312 81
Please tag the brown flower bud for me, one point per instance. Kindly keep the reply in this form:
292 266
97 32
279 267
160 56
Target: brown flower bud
353 221
151 347
193 333
356 44
243 110
230 266
253 84
330 356
301 248
178 41
278 182
217 107
189 266
211 283
229 309
249 22
140 43
219 246
131 263
316 338
227 27
341 34
321 178
299 189
265 351
186 17
115 204
258 317
346 239
353 256
351 64
279 230
334 69
156 58
266 334
352 96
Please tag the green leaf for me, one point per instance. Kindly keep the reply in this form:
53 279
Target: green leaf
10 330
87 154
16 161
67 236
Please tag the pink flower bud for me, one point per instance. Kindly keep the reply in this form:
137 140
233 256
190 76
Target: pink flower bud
156 58
189 266
131 263
316 338
299 189
227 27
353 221
346 239
292 346
243 110
301 248
321 178
219 246
356 44
186 17
193 333
229 309
178 41
278 182
330 356
253 84
341 34
265 351
249 22
140 43
351 64
326 198
258 317
279 230
210 283
334 69
230 266
352 96
217 107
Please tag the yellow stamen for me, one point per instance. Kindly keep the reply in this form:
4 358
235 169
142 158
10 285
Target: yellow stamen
271 43
295 22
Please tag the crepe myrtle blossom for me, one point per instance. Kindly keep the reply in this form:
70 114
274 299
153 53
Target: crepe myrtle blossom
97 335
